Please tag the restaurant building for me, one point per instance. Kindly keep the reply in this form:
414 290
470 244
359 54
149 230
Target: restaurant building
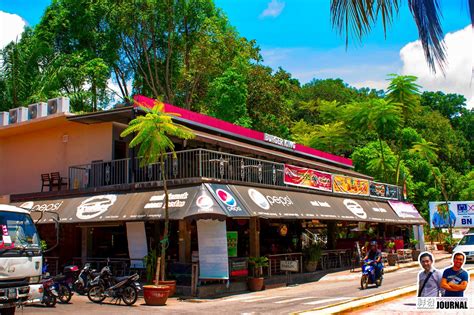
234 193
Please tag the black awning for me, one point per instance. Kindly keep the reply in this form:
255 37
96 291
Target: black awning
269 203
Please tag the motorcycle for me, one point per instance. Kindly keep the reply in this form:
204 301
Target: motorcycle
86 275
43 292
118 288
64 283
368 275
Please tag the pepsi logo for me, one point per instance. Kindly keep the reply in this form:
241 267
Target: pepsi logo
204 202
226 198
259 199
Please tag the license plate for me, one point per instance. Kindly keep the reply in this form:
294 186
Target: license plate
12 293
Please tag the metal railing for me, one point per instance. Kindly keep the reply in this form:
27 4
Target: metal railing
184 164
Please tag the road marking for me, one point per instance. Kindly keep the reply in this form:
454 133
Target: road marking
327 300
240 298
294 299
262 299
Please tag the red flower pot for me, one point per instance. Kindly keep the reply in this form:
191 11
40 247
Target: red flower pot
155 294
171 284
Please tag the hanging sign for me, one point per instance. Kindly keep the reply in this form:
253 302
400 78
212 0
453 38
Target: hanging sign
305 177
212 242
383 190
350 185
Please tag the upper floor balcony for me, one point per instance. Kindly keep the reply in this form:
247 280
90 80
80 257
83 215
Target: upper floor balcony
188 164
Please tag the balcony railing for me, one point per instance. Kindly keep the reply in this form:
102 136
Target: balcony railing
185 164
194 163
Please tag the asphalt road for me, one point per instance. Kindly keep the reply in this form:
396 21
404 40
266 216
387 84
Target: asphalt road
330 289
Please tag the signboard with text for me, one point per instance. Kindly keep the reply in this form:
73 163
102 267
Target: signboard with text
452 213
350 185
308 178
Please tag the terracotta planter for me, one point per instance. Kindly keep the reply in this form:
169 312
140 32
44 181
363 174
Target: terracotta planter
255 284
156 295
392 259
171 284
439 246
311 266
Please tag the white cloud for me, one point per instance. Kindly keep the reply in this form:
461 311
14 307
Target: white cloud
460 57
274 9
11 27
373 84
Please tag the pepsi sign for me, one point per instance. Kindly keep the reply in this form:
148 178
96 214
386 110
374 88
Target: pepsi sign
227 199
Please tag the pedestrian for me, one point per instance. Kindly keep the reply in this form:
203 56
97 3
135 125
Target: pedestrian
455 278
429 279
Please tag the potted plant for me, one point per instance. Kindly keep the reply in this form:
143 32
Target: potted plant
392 257
414 251
312 254
433 235
448 244
154 294
255 282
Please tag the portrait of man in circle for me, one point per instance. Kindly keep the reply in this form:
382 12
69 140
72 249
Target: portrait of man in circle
429 278
455 278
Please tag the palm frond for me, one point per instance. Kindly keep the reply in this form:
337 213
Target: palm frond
427 18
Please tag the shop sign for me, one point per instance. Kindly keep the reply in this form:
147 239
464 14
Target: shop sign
265 202
305 177
48 206
232 239
279 141
289 265
383 190
174 201
95 206
227 200
354 207
350 185
204 202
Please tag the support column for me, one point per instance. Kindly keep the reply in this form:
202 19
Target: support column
184 243
254 237
84 244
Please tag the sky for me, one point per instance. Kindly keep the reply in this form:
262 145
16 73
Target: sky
297 35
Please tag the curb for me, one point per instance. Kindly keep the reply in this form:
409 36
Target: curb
368 301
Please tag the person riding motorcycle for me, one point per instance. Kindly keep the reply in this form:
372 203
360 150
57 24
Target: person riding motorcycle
375 255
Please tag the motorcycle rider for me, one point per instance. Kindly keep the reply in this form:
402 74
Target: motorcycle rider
375 255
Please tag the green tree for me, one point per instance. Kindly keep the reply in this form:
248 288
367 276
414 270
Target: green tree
357 18
152 134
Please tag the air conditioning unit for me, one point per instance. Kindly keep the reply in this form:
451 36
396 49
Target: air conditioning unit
18 115
37 110
58 105
4 117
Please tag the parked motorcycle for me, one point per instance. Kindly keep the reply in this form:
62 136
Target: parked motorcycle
368 274
43 292
63 283
118 288
86 275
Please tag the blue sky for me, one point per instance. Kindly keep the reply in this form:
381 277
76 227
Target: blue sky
297 35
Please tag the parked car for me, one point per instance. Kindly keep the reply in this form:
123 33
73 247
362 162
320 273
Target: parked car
466 245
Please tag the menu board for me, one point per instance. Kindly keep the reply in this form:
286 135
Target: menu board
213 257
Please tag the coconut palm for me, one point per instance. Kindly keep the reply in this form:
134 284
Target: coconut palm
357 17
152 135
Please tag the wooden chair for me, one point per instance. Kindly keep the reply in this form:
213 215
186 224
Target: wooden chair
45 181
57 180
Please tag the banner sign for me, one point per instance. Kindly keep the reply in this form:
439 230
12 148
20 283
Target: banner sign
454 214
383 190
289 265
350 185
308 178
232 239
213 258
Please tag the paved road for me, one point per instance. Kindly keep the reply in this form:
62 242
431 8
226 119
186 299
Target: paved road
328 290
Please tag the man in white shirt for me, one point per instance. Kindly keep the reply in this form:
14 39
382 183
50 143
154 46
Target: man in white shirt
429 280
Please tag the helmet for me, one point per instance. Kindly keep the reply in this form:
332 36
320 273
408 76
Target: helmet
374 243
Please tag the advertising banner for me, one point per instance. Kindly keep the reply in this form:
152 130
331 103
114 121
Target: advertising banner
454 214
232 239
213 258
350 185
305 177
383 190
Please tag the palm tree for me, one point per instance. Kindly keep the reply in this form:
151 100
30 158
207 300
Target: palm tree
357 17
329 137
152 132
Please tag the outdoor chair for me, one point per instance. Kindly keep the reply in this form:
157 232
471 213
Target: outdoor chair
57 181
45 181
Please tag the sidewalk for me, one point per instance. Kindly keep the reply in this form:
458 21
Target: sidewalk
355 274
